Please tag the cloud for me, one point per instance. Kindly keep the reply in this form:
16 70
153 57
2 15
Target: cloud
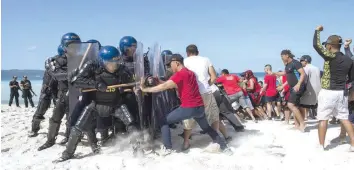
32 48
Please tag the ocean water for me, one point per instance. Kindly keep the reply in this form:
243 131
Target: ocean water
37 84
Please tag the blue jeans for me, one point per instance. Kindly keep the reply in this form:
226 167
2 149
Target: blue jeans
180 114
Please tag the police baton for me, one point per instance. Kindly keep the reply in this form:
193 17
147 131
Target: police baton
33 92
113 86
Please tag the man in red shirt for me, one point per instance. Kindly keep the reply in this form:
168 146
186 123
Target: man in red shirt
270 89
192 105
234 91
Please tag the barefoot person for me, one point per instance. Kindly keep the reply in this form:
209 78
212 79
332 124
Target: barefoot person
192 105
270 89
295 78
206 76
333 97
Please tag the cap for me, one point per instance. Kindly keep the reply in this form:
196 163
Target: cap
24 76
306 58
174 57
333 39
14 76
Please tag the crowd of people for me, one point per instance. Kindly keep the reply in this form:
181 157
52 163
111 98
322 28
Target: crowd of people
25 87
115 97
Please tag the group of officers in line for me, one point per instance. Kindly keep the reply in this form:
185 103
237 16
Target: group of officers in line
25 87
102 103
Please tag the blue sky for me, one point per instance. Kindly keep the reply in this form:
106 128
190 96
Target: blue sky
235 34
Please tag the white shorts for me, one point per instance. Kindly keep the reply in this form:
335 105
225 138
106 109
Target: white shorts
249 103
332 103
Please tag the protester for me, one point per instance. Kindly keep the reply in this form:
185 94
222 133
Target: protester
14 87
192 105
308 101
26 91
295 78
333 97
270 89
254 91
234 91
206 76
243 85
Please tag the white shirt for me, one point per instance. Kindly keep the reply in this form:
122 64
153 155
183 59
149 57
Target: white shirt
200 66
313 85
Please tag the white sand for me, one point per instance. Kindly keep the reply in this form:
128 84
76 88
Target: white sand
266 145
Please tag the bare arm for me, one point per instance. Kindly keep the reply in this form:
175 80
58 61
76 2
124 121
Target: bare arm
251 87
161 87
264 87
281 73
212 74
302 76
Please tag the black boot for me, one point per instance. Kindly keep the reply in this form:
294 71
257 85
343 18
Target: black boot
73 141
91 137
35 128
66 138
52 134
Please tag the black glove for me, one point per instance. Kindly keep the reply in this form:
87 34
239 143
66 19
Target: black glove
101 86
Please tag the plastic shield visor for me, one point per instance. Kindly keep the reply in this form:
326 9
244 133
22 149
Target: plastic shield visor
112 64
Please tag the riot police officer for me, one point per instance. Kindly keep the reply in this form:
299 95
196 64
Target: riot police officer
49 92
58 71
14 87
100 74
26 91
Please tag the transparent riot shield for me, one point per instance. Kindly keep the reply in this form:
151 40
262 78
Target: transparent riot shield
77 54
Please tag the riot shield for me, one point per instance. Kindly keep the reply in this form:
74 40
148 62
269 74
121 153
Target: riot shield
138 76
77 54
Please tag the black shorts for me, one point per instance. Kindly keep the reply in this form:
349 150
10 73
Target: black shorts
271 99
294 97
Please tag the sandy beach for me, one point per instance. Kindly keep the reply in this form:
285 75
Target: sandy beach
266 145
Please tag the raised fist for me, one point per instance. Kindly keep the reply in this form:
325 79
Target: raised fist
348 42
319 28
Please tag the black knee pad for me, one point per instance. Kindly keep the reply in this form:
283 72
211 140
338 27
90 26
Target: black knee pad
124 115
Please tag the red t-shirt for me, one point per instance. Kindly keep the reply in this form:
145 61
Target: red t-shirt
256 86
271 81
188 89
286 87
230 83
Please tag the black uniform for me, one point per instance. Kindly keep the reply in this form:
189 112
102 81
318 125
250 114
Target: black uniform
105 103
49 92
14 92
26 92
59 73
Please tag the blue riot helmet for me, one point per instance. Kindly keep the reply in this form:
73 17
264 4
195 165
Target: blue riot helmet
165 54
69 38
95 41
109 57
61 50
127 45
